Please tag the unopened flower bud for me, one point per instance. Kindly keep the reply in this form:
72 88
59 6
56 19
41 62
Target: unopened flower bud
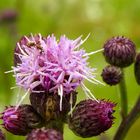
137 68
111 75
2 136
8 16
21 120
91 118
119 51
44 134
48 105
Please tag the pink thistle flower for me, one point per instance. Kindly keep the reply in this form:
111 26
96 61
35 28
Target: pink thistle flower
45 64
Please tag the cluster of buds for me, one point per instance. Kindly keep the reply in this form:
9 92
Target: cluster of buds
50 71
119 52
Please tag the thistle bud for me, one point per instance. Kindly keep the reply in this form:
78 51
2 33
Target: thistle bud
137 69
44 134
119 51
2 136
8 16
21 120
91 118
48 105
58 66
111 75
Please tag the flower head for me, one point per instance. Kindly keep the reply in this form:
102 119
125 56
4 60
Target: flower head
112 75
90 118
21 120
44 134
119 51
45 64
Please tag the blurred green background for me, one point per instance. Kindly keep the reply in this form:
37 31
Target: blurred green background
101 18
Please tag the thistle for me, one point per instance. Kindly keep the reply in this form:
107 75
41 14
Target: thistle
21 120
91 118
47 65
51 71
112 75
119 51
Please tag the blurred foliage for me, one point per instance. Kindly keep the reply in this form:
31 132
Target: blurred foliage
102 19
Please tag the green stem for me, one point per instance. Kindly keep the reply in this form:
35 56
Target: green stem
128 122
123 94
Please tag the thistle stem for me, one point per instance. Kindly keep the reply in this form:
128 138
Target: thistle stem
123 94
128 121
